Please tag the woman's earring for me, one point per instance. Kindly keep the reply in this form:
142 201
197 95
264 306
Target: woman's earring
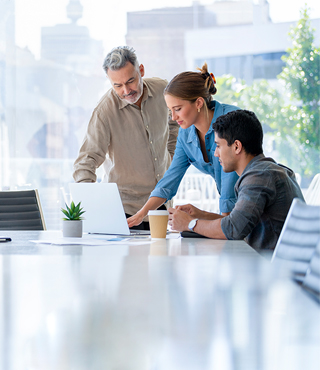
198 110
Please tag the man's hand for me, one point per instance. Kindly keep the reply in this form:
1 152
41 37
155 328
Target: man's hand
179 220
193 211
135 220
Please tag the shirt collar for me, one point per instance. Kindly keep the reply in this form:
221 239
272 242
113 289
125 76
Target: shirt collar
193 132
192 135
252 162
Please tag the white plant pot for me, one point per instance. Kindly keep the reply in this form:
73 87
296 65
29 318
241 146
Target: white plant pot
72 228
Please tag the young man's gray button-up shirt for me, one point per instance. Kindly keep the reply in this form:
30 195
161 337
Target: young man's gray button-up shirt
264 192
138 142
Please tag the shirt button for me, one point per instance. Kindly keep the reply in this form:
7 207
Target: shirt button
147 126
151 142
155 159
158 175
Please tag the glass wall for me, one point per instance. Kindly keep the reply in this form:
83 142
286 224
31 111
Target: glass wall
51 53
247 67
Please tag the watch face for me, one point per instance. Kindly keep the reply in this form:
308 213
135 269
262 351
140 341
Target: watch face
192 224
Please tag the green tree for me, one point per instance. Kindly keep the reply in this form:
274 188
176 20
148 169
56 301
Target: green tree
266 102
229 89
290 114
300 78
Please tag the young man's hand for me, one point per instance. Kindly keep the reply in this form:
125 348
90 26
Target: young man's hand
193 211
179 220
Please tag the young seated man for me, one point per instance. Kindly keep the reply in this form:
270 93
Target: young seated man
264 190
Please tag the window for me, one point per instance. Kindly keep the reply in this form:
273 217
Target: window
51 76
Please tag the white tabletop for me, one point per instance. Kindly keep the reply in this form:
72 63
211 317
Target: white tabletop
21 244
174 304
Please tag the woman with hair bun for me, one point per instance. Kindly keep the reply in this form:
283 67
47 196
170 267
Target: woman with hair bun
189 97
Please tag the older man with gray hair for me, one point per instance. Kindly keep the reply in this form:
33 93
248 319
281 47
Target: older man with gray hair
130 126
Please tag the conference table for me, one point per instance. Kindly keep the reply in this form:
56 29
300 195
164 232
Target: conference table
143 304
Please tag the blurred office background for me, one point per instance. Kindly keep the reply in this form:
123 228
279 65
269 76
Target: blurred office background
263 54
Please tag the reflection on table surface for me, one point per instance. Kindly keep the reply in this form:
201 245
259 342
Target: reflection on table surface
219 308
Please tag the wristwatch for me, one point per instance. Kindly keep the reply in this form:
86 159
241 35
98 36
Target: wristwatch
192 224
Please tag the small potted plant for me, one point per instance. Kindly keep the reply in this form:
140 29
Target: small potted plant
72 223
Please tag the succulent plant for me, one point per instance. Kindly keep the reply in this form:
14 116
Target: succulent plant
73 213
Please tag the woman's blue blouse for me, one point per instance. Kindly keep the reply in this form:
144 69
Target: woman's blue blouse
188 151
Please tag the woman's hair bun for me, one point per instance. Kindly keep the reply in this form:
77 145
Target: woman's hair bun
209 78
192 85
212 89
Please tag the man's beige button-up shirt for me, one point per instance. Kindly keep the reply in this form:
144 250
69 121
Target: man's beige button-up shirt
138 142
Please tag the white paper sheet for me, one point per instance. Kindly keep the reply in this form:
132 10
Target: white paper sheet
90 241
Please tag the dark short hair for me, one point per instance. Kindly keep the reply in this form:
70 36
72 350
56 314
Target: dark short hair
241 125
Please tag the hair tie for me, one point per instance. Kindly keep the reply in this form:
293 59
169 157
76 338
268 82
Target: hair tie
213 78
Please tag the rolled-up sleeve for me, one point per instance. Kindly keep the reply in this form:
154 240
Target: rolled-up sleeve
93 150
173 134
167 187
255 192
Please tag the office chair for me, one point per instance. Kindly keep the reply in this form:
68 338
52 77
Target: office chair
312 196
298 238
21 210
311 282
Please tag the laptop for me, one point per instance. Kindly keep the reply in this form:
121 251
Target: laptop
104 213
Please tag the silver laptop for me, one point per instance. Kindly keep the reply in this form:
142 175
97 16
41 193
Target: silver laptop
104 213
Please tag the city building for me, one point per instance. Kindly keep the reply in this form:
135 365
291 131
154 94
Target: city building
247 51
46 103
71 45
233 37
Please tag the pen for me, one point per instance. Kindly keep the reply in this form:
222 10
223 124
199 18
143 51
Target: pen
3 240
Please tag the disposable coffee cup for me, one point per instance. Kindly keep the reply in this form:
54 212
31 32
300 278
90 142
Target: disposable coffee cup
158 223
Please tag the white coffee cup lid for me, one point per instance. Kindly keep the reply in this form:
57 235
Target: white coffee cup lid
158 212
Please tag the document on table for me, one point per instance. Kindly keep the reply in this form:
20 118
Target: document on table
90 241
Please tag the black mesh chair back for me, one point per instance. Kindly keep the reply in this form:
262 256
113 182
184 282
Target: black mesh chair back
21 210
298 238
